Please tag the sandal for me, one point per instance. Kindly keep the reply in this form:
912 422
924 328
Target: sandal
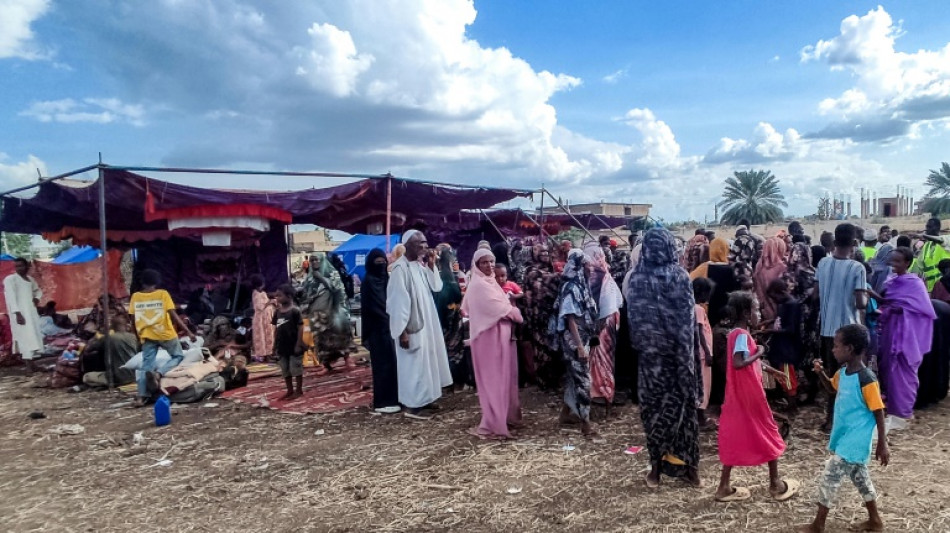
791 489
651 484
739 494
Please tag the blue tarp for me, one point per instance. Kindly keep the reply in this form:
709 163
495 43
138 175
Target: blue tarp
77 254
355 250
7 257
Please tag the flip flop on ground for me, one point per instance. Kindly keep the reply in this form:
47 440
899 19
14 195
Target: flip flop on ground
739 494
791 489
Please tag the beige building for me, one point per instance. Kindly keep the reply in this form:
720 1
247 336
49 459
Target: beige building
603 208
303 243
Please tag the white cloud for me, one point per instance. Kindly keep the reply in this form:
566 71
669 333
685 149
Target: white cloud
332 63
766 144
659 146
400 85
95 110
16 34
615 76
20 173
893 90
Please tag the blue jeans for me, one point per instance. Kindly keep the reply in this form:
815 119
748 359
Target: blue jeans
149 353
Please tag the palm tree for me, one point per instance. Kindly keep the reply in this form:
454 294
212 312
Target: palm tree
938 198
753 195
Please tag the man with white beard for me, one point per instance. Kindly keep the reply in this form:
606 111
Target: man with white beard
422 365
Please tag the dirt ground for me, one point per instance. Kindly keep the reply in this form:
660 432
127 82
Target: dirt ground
240 468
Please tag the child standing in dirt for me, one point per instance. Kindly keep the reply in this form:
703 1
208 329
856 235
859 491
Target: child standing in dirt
858 409
748 434
288 341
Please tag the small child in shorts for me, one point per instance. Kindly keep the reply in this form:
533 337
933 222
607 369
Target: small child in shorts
858 411
288 341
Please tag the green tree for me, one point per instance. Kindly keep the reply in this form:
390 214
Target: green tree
16 244
754 195
938 198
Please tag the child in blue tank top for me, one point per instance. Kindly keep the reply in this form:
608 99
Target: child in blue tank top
858 411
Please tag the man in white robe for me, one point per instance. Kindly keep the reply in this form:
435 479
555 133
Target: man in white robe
22 295
422 363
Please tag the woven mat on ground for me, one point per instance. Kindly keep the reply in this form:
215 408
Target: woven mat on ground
322 392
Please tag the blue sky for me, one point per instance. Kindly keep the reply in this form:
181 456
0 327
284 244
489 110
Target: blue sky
636 101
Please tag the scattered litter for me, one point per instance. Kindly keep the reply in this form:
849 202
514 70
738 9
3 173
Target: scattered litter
319 432
67 429
37 415
450 510
163 462
633 450
263 402
514 490
568 448
210 405
138 439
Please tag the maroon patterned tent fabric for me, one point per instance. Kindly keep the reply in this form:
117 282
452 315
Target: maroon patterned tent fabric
350 207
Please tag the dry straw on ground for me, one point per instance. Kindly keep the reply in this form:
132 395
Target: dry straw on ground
237 468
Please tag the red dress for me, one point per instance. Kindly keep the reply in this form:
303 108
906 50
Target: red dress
748 435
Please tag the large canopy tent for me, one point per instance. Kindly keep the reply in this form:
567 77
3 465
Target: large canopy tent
169 222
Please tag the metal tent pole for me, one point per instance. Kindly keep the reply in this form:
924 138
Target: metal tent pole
389 212
104 260
566 210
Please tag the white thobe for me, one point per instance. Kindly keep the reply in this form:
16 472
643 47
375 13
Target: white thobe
19 294
423 369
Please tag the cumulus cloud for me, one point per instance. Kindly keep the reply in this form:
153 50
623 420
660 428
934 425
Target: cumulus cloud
659 146
94 110
16 33
401 86
893 90
331 63
766 145
13 174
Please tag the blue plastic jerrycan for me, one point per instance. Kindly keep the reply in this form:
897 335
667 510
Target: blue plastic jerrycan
163 411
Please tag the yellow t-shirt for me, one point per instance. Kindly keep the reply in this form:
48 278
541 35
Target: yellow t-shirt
152 320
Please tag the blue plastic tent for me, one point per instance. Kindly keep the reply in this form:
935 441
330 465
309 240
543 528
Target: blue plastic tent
355 250
77 254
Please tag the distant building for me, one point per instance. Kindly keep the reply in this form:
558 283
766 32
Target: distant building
311 241
604 208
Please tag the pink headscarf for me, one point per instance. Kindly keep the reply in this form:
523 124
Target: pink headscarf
484 303
770 268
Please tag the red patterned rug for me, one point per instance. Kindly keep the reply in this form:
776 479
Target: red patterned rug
322 392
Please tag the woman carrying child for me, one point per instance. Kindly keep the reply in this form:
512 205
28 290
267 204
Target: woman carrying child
748 435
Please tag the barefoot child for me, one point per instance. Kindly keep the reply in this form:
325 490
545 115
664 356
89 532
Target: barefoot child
702 291
748 435
288 341
858 410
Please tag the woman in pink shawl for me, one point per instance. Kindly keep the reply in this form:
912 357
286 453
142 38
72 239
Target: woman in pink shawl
770 267
907 322
494 352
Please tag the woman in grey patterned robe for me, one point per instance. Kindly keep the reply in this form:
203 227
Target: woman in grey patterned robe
662 324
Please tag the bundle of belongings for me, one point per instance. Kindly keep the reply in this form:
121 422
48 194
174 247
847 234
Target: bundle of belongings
199 376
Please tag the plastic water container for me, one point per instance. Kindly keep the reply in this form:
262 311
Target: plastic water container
163 411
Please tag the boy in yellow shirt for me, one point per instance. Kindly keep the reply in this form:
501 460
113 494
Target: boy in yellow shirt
155 319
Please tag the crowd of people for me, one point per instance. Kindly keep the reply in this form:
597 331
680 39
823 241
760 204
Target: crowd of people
737 327
740 327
